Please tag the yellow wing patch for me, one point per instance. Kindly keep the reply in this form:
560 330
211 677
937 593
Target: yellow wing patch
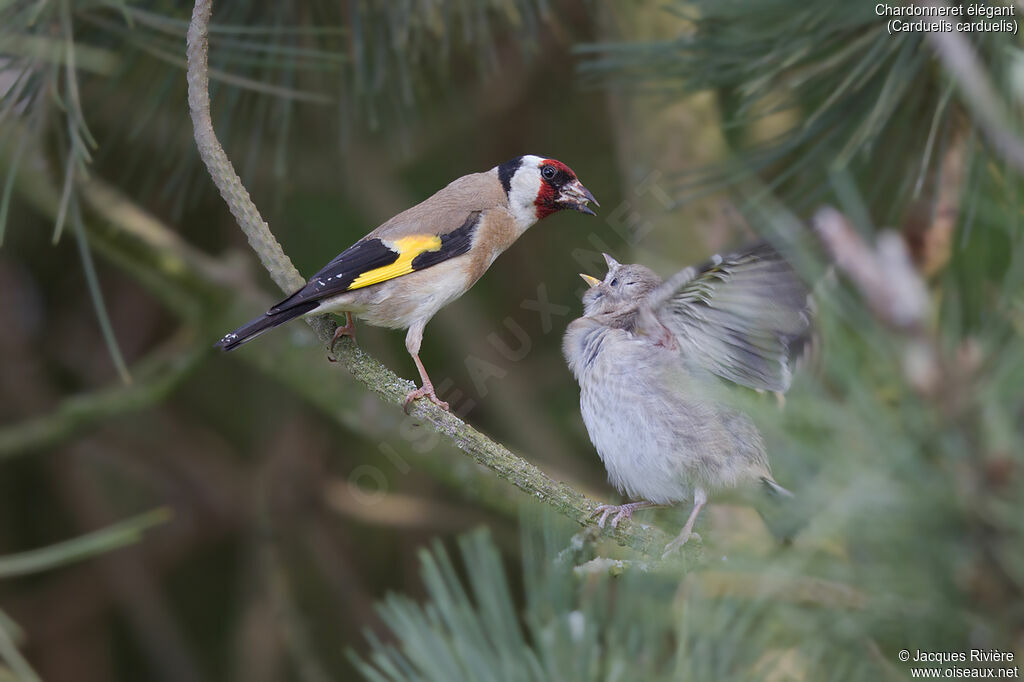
408 248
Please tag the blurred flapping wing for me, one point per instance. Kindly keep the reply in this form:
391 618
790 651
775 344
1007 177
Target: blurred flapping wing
745 317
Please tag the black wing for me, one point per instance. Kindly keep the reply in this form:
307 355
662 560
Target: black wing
371 261
367 262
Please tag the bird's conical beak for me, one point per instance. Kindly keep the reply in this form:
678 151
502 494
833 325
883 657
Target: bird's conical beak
591 281
610 261
574 195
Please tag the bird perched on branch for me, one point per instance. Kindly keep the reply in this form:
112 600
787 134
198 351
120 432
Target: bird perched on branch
401 274
651 356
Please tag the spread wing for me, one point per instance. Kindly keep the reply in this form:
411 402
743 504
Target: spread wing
745 316
377 259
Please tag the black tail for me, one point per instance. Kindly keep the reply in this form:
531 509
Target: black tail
250 330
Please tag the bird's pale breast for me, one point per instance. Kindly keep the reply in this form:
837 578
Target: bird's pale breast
650 422
400 302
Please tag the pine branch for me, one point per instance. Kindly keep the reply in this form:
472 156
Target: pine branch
9 653
363 367
955 52
98 542
217 163
193 285
156 377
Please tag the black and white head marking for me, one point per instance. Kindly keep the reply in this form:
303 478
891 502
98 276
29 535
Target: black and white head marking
536 187
521 180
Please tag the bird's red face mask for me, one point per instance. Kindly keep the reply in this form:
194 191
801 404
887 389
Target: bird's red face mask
561 189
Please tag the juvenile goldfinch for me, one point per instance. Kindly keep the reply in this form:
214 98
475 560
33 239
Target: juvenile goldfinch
650 357
402 273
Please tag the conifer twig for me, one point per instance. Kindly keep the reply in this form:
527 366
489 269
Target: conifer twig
961 61
156 377
528 478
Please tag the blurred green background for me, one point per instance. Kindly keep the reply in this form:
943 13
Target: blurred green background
289 500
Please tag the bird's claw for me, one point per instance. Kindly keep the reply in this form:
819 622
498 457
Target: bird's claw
620 511
426 391
348 329
676 544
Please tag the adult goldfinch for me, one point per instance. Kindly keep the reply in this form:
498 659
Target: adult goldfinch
400 274
650 357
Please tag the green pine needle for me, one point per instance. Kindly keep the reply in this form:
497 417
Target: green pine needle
96 294
83 547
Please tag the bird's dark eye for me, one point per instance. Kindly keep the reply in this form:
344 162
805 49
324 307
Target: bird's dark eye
615 282
548 172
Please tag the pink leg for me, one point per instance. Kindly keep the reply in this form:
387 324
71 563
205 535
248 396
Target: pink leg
700 498
427 390
348 329
620 511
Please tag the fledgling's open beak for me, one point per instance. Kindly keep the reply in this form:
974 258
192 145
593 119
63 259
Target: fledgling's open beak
591 281
575 196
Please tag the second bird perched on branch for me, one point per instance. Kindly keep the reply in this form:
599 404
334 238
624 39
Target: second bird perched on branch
402 273
650 357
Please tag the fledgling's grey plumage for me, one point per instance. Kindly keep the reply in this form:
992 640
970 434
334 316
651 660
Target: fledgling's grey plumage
650 357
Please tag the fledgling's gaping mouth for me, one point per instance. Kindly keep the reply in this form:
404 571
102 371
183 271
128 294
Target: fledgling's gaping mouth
575 196
591 281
